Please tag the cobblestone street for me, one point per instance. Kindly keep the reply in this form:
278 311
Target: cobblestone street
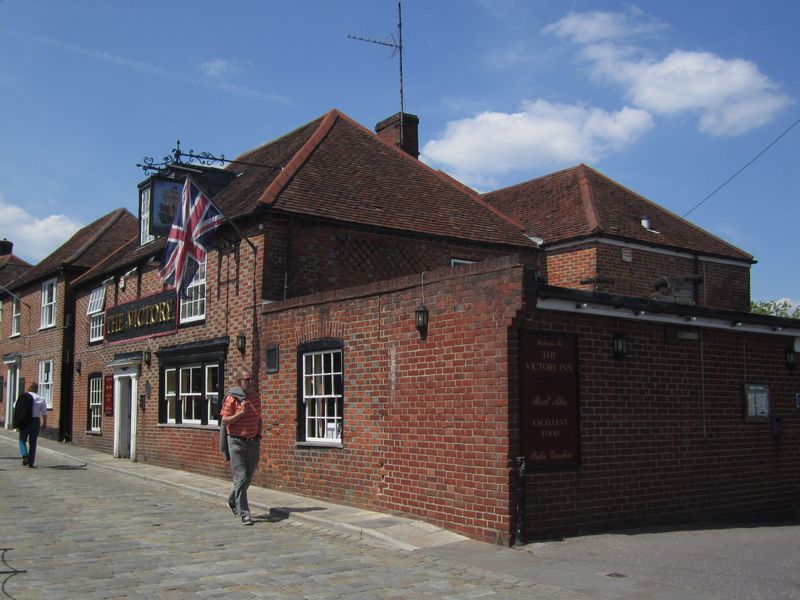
72 531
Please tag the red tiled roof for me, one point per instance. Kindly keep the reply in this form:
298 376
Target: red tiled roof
86 248
335 169
332 168
580 202
11 267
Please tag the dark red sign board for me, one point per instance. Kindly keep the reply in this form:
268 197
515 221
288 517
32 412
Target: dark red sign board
549 408
108 395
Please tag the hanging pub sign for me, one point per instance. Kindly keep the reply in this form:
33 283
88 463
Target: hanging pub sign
160 197
146 317
549 410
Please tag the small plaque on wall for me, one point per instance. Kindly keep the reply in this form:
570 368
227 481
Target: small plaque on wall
108 395
756 403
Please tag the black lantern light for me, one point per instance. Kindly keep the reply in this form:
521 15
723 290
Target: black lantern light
241 342
147 356
618 346
421 316
78 367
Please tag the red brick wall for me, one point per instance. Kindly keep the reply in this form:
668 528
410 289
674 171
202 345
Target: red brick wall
325 258
35 345
662 432
231 303
724 286
426 421
568 267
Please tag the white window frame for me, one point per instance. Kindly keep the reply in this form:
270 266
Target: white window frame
46 381
212 396
16 316
457 262
193 306
322 395
96 403
145 237
49 293
171 394
97 315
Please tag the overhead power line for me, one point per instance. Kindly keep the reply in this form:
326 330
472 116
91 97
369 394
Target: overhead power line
754 159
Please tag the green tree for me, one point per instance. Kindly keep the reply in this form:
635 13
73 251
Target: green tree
776 308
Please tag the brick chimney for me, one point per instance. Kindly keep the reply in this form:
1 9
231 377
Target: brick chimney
6 247
389 131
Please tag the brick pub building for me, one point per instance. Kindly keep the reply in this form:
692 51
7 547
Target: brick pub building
580 341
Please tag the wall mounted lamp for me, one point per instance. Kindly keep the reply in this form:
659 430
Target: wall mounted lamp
78 367
147 356
421 318
791 357
241 342
618 346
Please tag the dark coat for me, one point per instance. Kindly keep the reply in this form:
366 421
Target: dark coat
23 411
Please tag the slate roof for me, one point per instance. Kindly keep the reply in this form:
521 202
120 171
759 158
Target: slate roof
11 267
85 248
580 202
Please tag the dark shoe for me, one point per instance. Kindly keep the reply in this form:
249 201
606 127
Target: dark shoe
32 466
233 509
246 520
25 460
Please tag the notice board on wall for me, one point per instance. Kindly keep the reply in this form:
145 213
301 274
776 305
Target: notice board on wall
549 404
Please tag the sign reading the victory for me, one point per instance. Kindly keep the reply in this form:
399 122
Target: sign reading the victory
549 415
146 317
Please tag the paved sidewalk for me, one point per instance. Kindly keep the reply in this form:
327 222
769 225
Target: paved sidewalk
544 578
388 530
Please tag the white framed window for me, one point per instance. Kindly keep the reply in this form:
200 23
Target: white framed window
95 403
191 394
48 304
144 219
46 381
193 306
16 315
97 315
322 391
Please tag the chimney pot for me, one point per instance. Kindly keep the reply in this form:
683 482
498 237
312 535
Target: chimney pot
389 131
6 247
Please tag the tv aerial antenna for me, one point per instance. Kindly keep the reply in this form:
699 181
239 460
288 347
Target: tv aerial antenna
396 44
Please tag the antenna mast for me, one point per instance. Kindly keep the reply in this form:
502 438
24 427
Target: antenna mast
397 47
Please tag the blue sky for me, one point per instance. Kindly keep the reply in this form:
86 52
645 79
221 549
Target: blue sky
667 98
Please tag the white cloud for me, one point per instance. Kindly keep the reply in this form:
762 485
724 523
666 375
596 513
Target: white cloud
729 96
540 134
34 238
217 68
595 26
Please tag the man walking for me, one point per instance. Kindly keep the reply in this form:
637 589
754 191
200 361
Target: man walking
29 428
241 416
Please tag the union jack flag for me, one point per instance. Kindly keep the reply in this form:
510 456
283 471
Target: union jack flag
195 221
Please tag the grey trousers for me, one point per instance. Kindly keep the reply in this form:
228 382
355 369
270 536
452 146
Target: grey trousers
244 460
